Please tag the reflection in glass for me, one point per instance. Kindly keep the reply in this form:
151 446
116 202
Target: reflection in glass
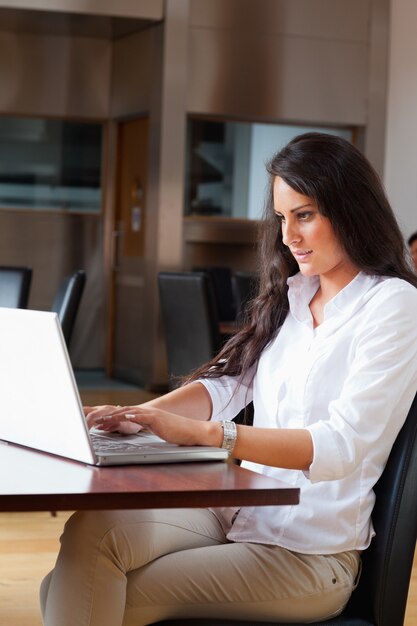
225 170
50 164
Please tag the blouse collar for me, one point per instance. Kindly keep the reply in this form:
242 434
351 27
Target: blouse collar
302 288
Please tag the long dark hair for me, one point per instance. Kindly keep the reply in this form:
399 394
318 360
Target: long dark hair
348 191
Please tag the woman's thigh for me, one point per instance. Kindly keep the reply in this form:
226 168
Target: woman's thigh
98 549
252 582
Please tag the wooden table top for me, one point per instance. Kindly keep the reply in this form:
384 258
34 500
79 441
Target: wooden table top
36 481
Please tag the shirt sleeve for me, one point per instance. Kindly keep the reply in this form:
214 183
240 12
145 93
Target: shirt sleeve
228 395
365 419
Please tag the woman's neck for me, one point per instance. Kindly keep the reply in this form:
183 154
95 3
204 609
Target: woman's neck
327 290
332 283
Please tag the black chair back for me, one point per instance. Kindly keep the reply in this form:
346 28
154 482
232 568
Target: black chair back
67 302
246 287
15 286
221 278
190 320
381 596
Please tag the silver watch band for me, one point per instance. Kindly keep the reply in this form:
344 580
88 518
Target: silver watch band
229 435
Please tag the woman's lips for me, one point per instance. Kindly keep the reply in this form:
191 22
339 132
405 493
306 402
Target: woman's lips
301 255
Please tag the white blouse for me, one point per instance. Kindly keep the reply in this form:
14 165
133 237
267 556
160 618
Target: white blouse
350 382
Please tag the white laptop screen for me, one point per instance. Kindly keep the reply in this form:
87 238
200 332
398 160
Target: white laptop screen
40 406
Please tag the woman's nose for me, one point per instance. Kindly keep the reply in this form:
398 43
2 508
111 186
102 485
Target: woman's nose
289 233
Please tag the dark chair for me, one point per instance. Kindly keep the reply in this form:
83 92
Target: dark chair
245 288
67 302
221 278
190 320
381 596
15 286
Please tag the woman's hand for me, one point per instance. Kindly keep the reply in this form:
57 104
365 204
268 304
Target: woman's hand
94 414
169 426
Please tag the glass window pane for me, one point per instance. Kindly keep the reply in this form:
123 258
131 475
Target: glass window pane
50 164
225 170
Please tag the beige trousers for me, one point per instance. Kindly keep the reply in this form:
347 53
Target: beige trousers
131 568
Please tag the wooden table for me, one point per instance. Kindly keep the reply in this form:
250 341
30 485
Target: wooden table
36 481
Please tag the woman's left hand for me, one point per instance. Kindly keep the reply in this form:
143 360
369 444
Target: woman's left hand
169 426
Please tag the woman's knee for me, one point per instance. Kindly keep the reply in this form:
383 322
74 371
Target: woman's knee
83 523
89 529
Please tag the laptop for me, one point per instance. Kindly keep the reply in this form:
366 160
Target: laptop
40 405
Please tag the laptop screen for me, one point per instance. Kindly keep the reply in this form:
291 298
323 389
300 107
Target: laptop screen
40 404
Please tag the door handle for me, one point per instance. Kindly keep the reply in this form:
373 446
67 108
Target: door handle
116 236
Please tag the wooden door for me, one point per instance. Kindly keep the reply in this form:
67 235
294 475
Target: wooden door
128 258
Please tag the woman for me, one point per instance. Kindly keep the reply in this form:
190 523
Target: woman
328 357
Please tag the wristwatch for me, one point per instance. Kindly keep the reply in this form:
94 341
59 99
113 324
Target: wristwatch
229 435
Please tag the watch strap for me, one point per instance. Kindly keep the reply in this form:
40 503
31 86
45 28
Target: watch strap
229 435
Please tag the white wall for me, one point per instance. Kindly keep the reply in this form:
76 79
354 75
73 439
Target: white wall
400 175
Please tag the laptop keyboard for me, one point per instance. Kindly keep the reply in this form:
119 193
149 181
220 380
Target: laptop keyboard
103 444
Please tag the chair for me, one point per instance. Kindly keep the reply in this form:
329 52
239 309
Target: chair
67 302
381 596
221 278
190 320
245 287
15 286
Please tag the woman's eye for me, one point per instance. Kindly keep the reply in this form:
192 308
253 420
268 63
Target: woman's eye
279 218
304 216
